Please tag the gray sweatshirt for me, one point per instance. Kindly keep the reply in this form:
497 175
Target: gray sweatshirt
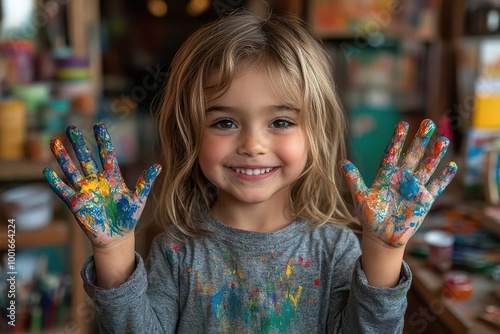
295 280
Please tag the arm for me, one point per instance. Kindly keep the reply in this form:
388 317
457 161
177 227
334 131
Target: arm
113 265
106 210
147 302
381 263
400 197
357 306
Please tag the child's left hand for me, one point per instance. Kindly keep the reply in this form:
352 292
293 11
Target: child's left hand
401 195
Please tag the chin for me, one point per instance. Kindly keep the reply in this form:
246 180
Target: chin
258 197
252 199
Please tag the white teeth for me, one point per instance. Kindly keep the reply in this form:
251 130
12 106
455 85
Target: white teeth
253 171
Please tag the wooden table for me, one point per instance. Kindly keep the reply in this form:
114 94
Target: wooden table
460 316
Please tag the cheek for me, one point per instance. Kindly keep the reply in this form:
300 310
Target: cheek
211 153
294 151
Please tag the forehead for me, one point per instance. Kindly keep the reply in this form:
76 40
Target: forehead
270 80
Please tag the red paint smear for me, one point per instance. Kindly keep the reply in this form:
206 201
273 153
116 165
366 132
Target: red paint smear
73 201
308 263
301 259
175 248
439 147
316 281
108 164
281 254
233 285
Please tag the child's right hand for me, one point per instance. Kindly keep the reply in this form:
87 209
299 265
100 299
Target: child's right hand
101 202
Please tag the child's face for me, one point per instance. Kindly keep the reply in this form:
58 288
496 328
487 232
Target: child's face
254 145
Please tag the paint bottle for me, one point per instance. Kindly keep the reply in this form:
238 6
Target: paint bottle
440 245
457 285
18 55
13 122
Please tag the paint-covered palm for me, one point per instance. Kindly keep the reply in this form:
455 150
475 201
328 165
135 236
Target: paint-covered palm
401 195
101 202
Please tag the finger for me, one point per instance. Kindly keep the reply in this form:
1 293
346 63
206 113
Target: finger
82 151
439 184
106 149
430 163
64 160
418 145
353 177
146 181
58 186
393 150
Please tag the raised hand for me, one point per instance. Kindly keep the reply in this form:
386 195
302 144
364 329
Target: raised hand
401 195
102 204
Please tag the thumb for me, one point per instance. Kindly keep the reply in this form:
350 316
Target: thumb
352 177
146 181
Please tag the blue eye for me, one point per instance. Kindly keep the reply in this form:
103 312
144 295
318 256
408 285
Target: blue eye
281 124
224 124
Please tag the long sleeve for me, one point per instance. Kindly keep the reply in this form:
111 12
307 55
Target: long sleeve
295 280
145 303
357 307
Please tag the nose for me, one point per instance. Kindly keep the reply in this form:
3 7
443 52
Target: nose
252 143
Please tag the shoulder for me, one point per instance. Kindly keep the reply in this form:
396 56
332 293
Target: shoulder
336 239
336 233
169 247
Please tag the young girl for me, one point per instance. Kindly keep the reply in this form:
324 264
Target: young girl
256 238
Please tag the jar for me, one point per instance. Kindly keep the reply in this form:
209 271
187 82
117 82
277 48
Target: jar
19 61
13 123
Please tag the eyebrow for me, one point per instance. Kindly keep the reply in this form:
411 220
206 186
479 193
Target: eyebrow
272 108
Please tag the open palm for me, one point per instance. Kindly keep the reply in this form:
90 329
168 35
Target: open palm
100 201
400 197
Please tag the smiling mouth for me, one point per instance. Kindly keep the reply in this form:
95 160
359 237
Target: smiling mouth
255 171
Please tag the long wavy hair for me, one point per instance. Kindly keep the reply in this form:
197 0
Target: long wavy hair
300 71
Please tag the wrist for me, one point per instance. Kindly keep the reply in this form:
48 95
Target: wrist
119 245
114 263
372 242
381 262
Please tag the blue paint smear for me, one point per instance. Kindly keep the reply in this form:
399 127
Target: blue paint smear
408 186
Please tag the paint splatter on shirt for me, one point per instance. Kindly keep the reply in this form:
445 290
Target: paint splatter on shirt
295 280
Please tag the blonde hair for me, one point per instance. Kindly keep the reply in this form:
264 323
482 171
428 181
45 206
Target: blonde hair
300 68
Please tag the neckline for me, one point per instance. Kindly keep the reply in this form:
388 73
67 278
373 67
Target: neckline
256 240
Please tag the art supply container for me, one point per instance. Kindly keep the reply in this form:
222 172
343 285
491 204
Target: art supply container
440 245
12 129
19 61
31 206
72 68
55 115
457 285
35 96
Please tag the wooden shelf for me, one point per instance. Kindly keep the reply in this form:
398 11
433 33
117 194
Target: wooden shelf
487 221
23 170
55 233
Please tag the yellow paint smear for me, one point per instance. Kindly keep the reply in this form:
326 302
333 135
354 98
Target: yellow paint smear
96 183
295 299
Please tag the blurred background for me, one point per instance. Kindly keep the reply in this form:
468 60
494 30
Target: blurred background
78 62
